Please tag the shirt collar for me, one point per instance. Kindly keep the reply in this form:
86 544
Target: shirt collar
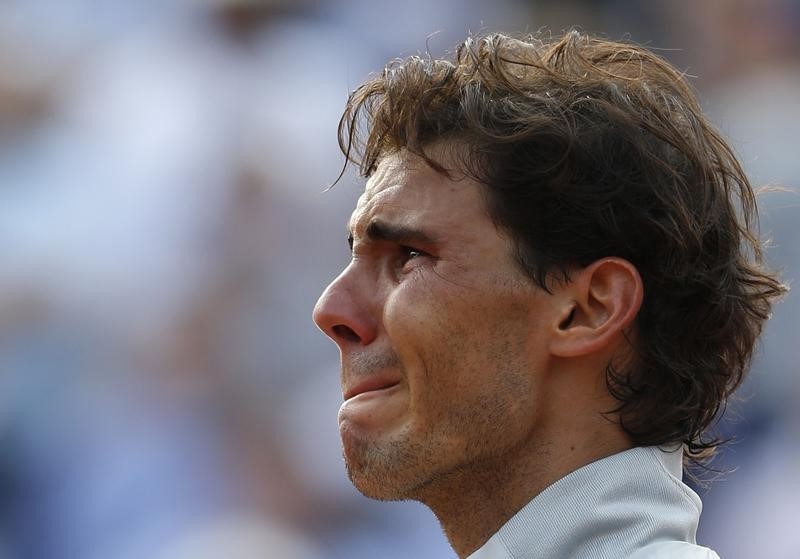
620 502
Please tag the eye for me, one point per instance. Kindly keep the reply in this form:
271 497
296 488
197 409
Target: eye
409 253
408 257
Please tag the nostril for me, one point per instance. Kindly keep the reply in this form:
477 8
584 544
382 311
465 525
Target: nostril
346 333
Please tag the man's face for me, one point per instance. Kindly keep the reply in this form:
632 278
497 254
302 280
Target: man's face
442 337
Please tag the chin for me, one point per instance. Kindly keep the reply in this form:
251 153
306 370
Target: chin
374 482
382 472
369 486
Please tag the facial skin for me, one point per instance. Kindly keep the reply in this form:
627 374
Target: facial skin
466 386
447 320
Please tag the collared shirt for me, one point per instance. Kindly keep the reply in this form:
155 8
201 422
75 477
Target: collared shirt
630 505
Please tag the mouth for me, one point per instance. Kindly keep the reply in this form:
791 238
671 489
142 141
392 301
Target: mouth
375 384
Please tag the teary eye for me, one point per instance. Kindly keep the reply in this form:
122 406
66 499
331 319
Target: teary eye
409 253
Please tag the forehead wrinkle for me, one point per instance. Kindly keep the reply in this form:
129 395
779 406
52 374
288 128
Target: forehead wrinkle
397 195
369 212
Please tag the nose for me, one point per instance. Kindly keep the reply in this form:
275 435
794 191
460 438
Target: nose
343 313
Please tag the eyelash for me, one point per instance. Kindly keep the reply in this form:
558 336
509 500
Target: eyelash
410 252
407 254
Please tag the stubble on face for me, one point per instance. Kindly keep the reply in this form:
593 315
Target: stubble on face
370 465
376 467
458 330
454 429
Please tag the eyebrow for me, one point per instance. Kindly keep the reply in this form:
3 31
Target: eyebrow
400 234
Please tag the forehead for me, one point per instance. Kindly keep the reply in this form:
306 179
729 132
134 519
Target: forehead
405 189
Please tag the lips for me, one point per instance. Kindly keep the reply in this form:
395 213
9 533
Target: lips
372 384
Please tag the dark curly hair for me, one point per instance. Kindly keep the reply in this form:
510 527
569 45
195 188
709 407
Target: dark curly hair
591 148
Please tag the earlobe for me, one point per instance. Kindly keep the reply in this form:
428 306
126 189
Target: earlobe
600 302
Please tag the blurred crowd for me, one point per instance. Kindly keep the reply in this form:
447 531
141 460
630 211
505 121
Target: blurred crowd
165 230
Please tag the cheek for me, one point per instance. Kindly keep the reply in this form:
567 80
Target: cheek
414 321
445 338
472 332
428 329
410 309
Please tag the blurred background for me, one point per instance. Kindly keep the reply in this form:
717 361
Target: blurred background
164 234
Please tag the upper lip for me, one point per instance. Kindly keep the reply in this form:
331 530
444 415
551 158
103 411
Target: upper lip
369 384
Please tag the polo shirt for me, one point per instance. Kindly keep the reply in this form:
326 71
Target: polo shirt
630 505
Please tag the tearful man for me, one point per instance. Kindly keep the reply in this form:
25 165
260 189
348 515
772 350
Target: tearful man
555 284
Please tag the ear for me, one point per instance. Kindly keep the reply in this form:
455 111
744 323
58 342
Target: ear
599 302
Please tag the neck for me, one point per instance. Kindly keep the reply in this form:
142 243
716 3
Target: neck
475 501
